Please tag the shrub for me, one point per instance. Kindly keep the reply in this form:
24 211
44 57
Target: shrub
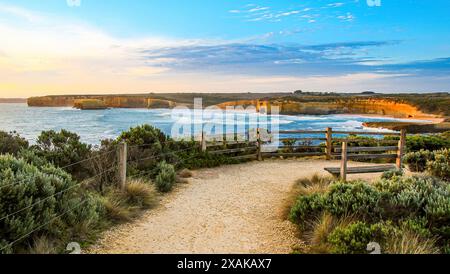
100 164
32 197
31 156
418 205
166 177
392 173
144 135
417 161
11 143
354 198
427 142
440 166
62 149
354 238
307 207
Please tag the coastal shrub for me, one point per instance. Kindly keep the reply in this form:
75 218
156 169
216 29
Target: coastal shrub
143 135
63 149
101 164
354 198
307 207
31 156
166 177
354 238
37 201
11 143
392 173
427 142
440 165
417 161
418 205
196 160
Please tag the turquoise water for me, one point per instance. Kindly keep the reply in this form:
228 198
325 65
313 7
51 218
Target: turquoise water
94 126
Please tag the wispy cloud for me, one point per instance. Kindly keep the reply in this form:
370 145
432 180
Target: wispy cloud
335 5
20 13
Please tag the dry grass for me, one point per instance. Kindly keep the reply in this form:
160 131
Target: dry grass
43 245
124 205
185 173
117 211
139 193
316 237
411 243
182 180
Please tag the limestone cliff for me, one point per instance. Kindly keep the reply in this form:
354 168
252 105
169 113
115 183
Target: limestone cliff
306 106
109 101
339 106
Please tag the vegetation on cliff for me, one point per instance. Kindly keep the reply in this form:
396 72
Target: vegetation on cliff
404 215
90 104
62 190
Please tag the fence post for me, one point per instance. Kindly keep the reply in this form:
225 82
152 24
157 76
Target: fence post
329 143
401 149
258 135
224 143
344 162
123 164
203 141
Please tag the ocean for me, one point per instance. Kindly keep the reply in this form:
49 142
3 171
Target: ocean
93 126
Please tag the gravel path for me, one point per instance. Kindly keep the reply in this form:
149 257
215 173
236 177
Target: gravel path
229 209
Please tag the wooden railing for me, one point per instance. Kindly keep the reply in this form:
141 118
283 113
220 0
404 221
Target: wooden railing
356 154
303 143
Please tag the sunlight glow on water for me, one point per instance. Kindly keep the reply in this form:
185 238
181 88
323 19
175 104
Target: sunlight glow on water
96 125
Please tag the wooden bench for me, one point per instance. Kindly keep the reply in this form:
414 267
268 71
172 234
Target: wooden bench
336 171
344 169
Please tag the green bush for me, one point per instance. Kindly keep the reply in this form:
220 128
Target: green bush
143 135
39 201
11 143
354 238
440 165
64 148
417 161
392 173
427 142
307 207
166 177
354 198
418 205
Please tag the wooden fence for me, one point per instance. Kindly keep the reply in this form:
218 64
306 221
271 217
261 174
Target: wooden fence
344 145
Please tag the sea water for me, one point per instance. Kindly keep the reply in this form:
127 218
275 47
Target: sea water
95 125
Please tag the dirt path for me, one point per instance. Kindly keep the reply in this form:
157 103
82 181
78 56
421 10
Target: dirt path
230 209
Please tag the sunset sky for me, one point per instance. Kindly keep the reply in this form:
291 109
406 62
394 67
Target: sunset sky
135 46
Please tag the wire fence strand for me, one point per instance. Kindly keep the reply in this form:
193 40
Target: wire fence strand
41 226
55 194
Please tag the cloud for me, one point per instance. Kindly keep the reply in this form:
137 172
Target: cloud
335 5
347 17
20 13
258 9
58 55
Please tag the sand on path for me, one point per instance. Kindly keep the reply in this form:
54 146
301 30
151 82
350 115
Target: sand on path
232 209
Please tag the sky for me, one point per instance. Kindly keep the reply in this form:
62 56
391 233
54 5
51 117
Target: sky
134 46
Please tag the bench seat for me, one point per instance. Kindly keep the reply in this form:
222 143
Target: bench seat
364 169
